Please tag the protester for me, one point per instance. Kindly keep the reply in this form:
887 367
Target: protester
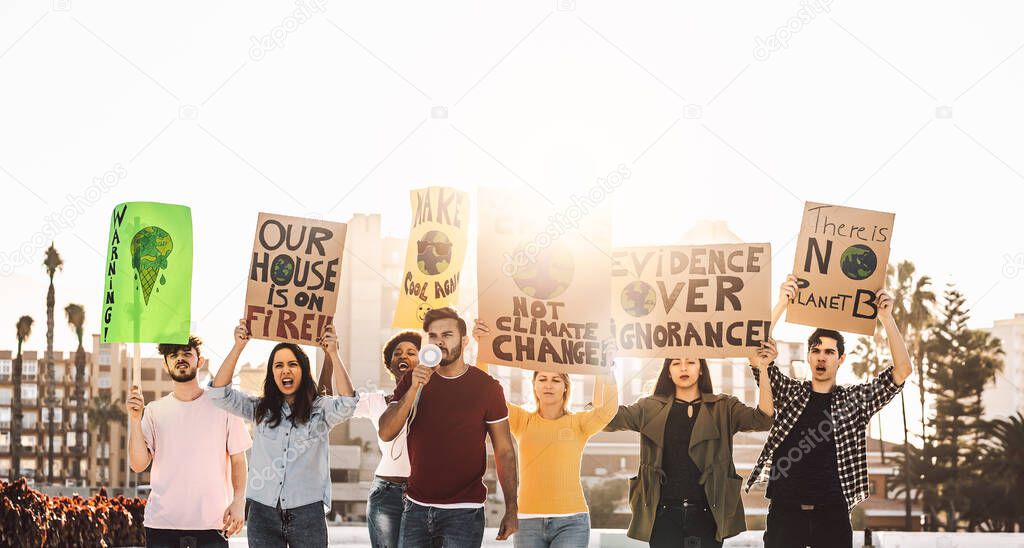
687 491
449 420
197 450
290 473
815 460
551 439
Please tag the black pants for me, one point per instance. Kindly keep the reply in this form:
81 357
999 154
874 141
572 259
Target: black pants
789 526
175 538
680 526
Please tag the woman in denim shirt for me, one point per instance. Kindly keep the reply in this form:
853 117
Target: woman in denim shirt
289 470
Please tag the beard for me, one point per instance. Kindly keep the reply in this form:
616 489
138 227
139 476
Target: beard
448 357
182 377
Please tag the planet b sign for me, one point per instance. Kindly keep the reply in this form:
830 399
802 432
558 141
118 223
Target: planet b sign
704 301
294 276
841 259
435 253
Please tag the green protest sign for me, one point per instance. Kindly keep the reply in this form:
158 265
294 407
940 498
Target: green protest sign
147 290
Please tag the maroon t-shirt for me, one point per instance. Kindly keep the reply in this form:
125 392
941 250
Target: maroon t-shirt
446 439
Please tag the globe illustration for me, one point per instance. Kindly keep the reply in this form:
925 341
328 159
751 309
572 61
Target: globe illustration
638 299
433 253
547 275
281 269
858 262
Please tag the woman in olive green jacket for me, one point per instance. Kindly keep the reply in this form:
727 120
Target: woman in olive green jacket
677 499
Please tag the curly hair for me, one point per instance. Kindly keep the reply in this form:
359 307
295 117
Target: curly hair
166 349
389 348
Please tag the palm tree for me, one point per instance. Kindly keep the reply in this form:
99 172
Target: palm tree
1003 455
76 318
912 311
24 330
52 263
104 413
913 304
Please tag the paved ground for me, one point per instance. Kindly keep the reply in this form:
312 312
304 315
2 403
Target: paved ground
355 537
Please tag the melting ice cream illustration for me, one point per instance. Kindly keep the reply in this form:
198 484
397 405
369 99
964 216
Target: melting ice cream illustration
150 248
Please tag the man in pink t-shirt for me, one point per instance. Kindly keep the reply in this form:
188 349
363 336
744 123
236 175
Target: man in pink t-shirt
198 456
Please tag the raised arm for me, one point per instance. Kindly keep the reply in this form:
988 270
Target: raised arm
787 292
627 417
221 393
765 357
227 369
746 418
341 383
325 384
902 366
606 404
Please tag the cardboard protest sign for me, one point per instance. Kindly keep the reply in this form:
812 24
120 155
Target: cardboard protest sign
294 278
543 284
147 294
841 258
710 301
434 255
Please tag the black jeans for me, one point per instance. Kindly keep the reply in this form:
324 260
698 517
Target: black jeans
789 526
681 526
180 538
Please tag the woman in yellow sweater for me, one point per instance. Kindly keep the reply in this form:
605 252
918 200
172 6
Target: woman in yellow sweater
552 510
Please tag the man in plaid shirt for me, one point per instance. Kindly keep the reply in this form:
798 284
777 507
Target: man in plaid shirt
815 459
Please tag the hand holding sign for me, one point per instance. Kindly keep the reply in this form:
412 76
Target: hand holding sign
766 354
609 349
481 330
241 334
329 341
787 291
135 404
884 303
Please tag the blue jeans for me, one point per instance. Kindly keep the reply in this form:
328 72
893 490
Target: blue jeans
562 532
384 509
426 527
302 526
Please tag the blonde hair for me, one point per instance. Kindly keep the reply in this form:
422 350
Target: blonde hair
566 398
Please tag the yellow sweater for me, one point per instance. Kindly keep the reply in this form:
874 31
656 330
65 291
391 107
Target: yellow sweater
550 452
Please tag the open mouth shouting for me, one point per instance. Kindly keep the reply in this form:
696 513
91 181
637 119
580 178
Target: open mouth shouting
287 383
402 367
820 368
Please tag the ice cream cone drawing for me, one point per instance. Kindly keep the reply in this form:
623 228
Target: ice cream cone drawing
150 248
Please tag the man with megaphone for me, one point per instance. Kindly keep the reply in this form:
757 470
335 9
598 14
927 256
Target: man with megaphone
449 412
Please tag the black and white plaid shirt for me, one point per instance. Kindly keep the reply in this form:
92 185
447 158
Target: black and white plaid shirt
852 408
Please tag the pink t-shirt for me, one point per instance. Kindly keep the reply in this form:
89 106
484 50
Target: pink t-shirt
191 471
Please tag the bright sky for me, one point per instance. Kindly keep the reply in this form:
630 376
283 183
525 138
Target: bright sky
716 112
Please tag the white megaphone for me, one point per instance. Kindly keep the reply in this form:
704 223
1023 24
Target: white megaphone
430 355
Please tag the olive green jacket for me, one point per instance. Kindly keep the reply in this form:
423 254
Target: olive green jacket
720 417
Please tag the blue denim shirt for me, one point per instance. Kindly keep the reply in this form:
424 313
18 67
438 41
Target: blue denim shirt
290 464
